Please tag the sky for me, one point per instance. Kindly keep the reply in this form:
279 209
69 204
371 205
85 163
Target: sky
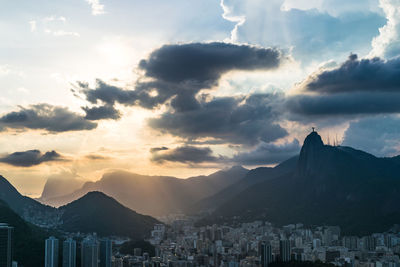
186 87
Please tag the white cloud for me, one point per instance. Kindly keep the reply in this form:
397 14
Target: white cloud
33 25
239 20
65 33
97 8
387 43
8 70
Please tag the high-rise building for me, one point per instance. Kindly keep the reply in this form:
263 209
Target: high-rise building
69 253
90 252
266 254
105 252
51 252
6 245
285 250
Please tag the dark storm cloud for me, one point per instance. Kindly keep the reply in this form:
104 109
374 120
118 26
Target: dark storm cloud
206 62
268 153
101 113
156 149
357 87
184 154
354 75
45 117
175 74
238 120
30 158
107 94
181 71
353 103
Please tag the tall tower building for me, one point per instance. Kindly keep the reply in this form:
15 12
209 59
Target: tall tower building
51 252
285 250
69 253
266 254
105 252
6 245
90 252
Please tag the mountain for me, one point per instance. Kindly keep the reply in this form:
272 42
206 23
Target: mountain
97 212
28 239
59 186
29 209
328 186
156 195
251 178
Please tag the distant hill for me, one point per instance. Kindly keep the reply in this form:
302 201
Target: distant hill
60 186
156 195
28 239
94 212
329 185
97 212
29 209
252 177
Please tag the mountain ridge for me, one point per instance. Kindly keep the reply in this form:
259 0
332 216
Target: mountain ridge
156 195
329 185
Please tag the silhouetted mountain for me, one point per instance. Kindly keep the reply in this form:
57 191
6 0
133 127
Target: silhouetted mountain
28 239
252 177
29 209
330 185
156 195
59 186
97 212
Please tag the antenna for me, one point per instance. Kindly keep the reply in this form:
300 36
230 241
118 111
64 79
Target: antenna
313 129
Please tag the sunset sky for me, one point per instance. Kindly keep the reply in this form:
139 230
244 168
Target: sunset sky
185 87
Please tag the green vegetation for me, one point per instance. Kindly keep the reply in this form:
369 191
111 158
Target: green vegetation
28 239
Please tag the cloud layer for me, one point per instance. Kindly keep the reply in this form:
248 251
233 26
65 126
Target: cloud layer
184 154
179 72
238 120
30 158
45 117
357 87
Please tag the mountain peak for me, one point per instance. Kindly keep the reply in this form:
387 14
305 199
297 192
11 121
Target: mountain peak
313 139
310 150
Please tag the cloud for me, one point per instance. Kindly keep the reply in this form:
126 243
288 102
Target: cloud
157 149
101 113
206 62
97 157
181 71
97 8
239 20
268 153
357 87
356 75
33 25
30 158
175 75
64 33
312 34
45 117
387 43
379 135
313 106
183 154
239 120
